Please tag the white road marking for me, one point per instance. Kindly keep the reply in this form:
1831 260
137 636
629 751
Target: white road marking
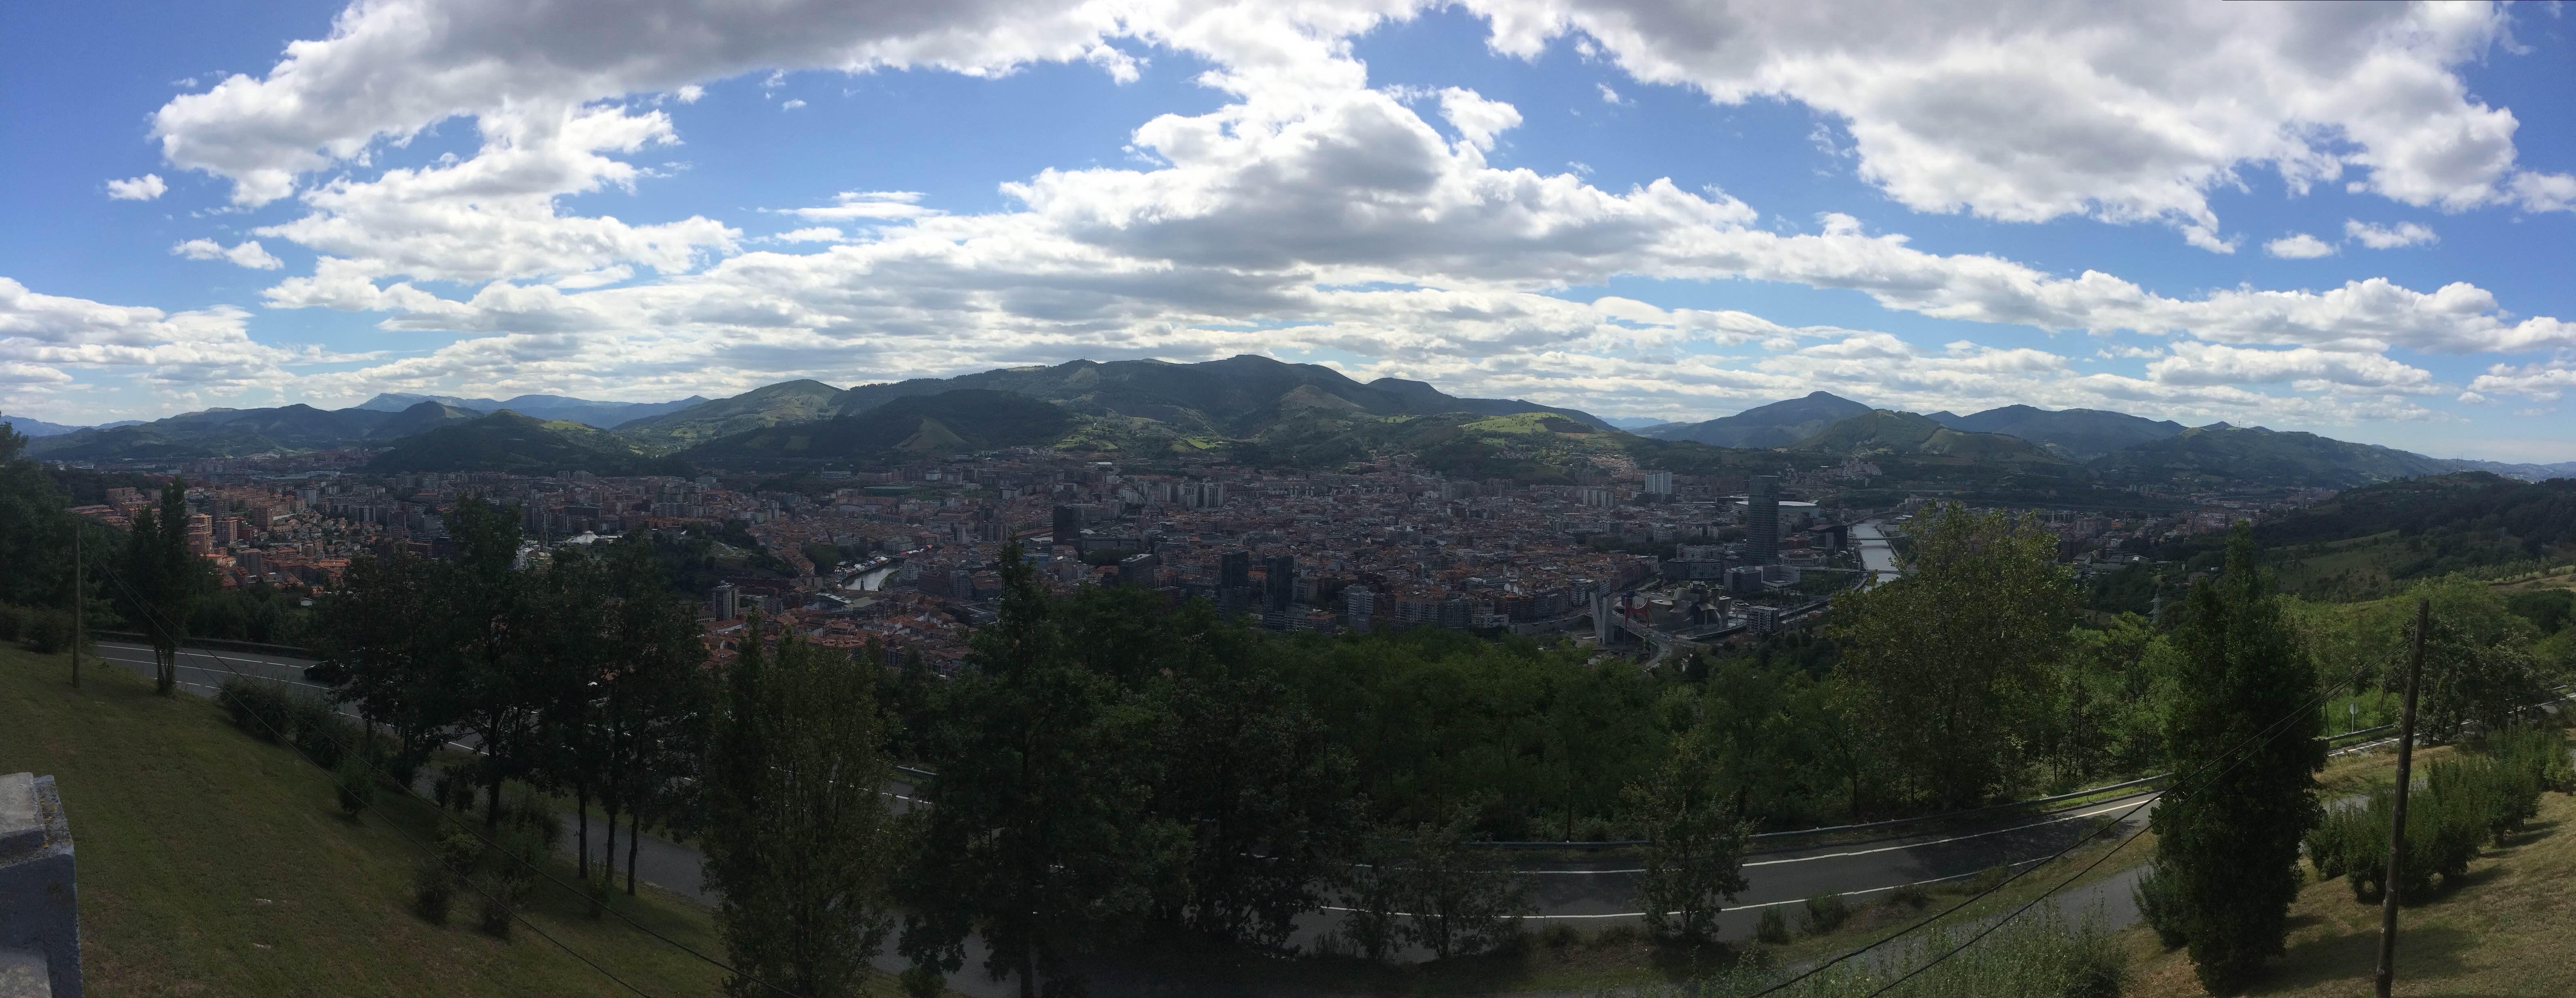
1893 848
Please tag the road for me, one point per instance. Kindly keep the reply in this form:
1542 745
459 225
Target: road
1590 895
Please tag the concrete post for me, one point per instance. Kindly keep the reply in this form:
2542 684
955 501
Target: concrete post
39 910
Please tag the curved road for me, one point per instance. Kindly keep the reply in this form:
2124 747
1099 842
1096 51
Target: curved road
1586 894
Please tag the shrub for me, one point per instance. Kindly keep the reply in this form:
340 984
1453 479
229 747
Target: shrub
1622 934
1558 935
1826 912
45 629
1989 879
1773 928
2443 830
433 890
257 706
11 619
356 783
2160 905
924 982
1909 896
318 731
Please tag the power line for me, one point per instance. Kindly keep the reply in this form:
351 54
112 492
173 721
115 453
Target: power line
2282 726
155 620
2269 732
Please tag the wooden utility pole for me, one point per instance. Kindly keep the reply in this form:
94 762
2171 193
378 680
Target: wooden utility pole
2397 815
77 630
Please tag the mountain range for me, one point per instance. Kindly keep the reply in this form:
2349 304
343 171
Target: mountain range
1254 410
604 415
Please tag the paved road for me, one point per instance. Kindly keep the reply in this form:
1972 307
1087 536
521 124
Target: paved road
1585 894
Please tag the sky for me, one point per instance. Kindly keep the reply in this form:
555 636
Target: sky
2353 219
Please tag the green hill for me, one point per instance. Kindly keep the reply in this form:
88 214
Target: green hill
2254 455
2079 434
1779 424
215 863
508 442
1889 433
421 418
770 405
216 433
2364 542
915 426
1536 447
1237 397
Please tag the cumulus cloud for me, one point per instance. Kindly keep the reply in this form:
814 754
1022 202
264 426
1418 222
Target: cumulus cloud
41 334
792 104
2401 234
2299 246
143 188
1311 212
247 254
2127 112
2544 382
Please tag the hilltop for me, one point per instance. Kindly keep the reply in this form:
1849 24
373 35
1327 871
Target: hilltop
1887 432
509 442
2079 434
2220 453
759 408
218 433
1235 397
1778 424
604 415
969 419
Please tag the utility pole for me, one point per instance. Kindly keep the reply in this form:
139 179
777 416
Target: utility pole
77 631
2397 815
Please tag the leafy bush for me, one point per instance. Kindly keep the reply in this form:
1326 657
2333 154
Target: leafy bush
1909 896
2160 905
356 783
2444 825
11 619
46 630
257 706
319 732
1827 912
1773 928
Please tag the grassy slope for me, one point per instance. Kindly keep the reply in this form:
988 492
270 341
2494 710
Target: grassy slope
183 824
2503 932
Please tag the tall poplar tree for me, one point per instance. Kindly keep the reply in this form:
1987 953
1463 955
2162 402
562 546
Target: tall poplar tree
1044 841
800 844
162 580
2242 729
1695 862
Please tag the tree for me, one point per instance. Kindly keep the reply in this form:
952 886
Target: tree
1043 841
800 843
2241 726
1257 780
1463 901
1695 859
1952 664
494 665
162 580
652 710
387 624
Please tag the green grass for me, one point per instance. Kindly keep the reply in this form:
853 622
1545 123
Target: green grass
212 863
2504 931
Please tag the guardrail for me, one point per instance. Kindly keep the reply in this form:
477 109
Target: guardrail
1859 827
215 644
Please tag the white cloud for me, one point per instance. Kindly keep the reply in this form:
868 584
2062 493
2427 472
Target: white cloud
1609 96
248 254
2402 234
2544 381
1312 213
2127 112
42 334
792 104
1477 120
2299 246
815 234
143 188
849 205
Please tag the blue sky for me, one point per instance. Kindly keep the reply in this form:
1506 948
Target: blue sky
2352 219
